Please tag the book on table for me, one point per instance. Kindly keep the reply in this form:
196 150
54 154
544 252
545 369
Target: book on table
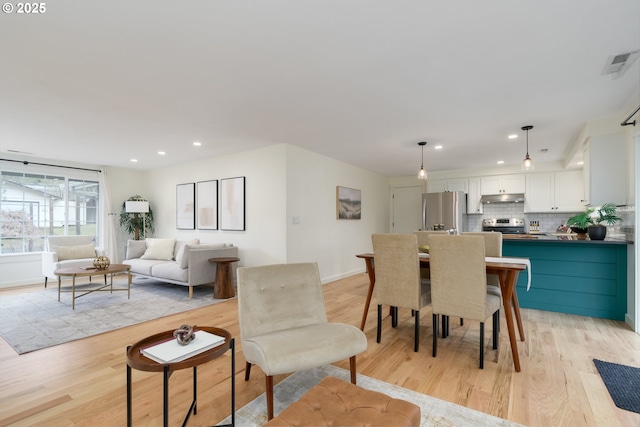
171 351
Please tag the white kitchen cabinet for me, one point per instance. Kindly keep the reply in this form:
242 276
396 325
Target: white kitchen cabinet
605 170
453 184
554 192
473 197
502 184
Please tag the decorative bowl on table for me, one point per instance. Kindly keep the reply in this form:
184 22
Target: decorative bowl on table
101 263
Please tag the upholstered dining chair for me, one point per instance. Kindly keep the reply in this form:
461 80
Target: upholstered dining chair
283 323
398 282
492 247
423 239
459 284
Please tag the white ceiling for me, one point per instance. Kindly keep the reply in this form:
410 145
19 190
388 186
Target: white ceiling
362 81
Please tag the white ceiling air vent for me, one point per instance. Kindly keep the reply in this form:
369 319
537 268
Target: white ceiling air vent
616 65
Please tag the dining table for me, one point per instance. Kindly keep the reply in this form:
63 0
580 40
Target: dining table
507 270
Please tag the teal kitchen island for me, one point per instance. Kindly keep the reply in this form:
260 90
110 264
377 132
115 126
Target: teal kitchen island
573 276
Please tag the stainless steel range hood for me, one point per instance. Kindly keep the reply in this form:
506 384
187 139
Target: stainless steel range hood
502 198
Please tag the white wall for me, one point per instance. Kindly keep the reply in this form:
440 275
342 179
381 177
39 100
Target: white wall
264 240
311 199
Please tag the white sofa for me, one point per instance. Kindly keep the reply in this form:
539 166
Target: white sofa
68 252
175 261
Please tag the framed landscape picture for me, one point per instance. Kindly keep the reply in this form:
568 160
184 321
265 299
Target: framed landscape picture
232 201
348 203
207 202
186 206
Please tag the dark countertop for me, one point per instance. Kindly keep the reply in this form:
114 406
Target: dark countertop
537 238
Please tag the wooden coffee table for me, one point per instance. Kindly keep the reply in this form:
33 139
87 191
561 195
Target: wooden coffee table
88 272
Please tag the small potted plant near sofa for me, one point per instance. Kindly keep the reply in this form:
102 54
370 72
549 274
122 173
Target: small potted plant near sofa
580 223
606 214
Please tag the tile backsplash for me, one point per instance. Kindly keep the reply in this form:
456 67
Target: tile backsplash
549 222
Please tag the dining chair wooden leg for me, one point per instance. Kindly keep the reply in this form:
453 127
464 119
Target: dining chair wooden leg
496 328
434 319
247 371
416 340
379 331
481 345
394 317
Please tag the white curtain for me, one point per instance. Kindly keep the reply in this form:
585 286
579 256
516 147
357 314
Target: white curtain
108 231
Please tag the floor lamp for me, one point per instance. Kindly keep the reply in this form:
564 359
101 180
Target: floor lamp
137 207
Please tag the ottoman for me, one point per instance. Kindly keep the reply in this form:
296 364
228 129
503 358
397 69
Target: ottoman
334 402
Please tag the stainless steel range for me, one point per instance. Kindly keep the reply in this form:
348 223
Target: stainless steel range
504 225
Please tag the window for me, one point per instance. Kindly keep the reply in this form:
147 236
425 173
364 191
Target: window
34 206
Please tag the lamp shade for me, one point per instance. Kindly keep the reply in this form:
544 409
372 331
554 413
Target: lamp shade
133 206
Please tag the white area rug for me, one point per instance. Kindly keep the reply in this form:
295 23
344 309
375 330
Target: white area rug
36 320
433 412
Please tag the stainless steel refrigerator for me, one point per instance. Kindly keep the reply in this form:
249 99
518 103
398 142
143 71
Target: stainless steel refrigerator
444 211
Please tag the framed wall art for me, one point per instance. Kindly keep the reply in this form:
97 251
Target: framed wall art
232 201
348 203
207 203
186 206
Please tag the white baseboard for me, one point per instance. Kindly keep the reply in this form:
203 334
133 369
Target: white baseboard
335 277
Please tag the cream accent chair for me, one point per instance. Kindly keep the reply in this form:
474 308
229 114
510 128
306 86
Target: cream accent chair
283 323
398 282
459 284
74 251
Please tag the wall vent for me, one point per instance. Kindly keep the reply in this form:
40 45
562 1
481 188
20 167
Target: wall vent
616 65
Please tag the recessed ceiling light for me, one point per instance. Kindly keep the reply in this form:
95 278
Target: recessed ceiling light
500 162
438 147
513 136
134 160
197 143
162 153
581 163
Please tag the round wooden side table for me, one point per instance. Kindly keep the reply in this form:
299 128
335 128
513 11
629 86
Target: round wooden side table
223 288
136 360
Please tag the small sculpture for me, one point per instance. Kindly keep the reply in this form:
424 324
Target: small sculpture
185 334
101 262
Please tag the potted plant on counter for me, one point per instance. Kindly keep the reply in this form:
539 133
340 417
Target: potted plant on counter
585 222
606 214
580 223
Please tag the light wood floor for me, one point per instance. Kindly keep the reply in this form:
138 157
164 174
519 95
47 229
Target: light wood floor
82 383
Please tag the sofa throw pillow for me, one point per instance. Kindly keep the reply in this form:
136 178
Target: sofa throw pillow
135 248
75 251
180 245
184 260
160 249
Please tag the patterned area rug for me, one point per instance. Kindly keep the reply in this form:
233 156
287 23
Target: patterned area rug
36 320
433 412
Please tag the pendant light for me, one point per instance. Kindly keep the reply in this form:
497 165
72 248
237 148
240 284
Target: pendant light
422 173
527 163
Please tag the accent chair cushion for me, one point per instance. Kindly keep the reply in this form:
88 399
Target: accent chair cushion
74 252
161 249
